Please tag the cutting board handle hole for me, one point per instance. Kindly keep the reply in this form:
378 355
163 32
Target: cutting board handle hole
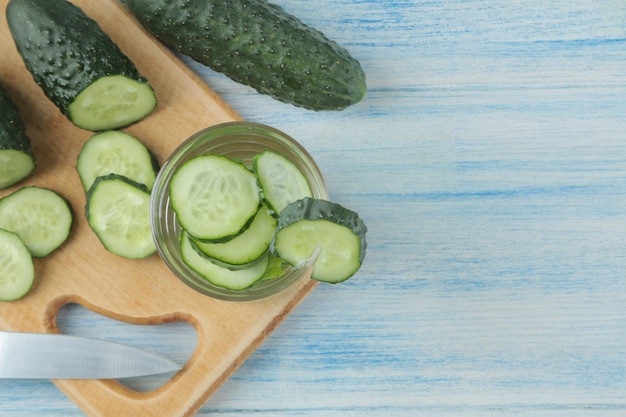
179 344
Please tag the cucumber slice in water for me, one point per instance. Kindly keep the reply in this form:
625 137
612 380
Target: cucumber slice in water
339 233
214 197
218 275
118 211
115 152
17 271
280 180
39 216
246 248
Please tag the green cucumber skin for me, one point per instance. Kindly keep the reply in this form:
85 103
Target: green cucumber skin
258 44
314 209
64 49
12 129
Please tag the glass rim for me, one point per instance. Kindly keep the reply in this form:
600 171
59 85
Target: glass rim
239 139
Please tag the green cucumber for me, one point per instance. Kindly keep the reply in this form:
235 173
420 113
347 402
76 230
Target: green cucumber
276 268
17 271
219 275
118 211
257 43
246 248
16 155
214 197
280 180
77 65
115 152
339 233
42 218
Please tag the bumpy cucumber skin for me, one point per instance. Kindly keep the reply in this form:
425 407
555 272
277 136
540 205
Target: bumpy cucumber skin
64 49
258 44
13 135
12 129
314 209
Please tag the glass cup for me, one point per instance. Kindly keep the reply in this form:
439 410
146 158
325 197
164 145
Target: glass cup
239 141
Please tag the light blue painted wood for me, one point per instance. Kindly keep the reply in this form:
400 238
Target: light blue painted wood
489 162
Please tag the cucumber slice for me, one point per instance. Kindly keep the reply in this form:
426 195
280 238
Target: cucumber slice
115 152
339 233
214 197
112 102
246 248
15 165
218 275
39 216
118 211
17 271
280 180
276 268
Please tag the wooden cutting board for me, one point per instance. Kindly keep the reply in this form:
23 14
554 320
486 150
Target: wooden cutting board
144 291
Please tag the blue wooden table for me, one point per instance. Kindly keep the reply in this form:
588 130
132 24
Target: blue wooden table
489 163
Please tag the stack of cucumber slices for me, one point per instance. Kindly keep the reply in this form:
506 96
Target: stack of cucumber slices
238 223
117 172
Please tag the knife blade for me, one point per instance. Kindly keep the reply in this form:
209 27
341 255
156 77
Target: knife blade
59 356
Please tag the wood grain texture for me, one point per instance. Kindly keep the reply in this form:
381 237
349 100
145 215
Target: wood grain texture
488 161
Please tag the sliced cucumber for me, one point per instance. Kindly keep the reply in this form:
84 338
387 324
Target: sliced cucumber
112 102
17 271
246 248
15 165
118 211
16 155
39 216
115 152
280 180
276 268
214 198
219 275
77 65
339 233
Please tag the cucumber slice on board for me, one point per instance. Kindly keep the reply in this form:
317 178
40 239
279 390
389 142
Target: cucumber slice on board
15 165
339 233
118 211
246 248
40 217
115 152
17 271
280 180
218 275
214 197
16 155
77 65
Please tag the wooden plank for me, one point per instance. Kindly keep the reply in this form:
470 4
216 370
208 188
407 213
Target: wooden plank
141 291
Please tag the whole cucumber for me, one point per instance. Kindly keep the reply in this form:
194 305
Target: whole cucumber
258 44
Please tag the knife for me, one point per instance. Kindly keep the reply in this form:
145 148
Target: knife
58 356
